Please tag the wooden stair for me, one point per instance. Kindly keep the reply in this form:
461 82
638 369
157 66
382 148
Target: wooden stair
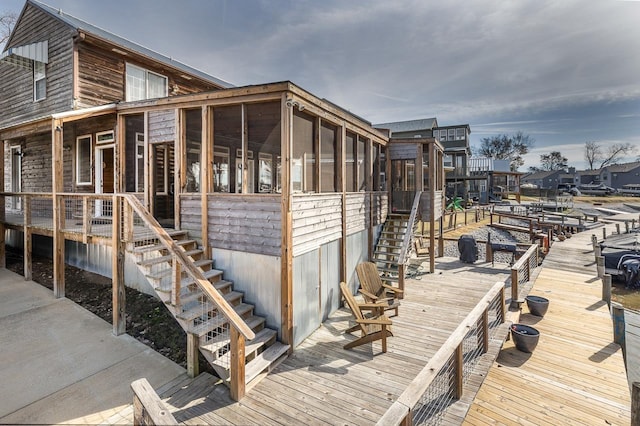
387 252
199 317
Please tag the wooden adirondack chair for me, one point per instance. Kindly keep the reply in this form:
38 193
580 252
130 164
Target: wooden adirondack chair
374 327
374 290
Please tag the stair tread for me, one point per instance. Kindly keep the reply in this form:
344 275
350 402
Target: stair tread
219 320
208 274
197 310
156 247
264 360
251 346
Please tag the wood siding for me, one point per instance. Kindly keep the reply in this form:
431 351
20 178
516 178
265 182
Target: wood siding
245 223
317 219
380 206
425 205
357 210
162 126
16 85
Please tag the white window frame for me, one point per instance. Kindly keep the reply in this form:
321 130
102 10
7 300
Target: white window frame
146 73
39 74
79 161
15 151
102 140
140 156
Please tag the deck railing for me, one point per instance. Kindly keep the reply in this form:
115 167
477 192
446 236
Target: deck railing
441 381
521 271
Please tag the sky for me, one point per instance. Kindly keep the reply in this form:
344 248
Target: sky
563 72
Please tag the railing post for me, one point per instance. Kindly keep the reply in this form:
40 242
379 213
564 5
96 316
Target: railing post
458 371
635 403
606 289
485 331
193 367
117 269
401 273
86 219
514 289
237 364
176 281
600 266
28 240
58 245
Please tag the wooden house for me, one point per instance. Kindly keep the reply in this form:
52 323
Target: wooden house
241 207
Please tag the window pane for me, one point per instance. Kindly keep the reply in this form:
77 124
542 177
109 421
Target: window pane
83 160
350 160
136 87
228 135
140 162
264 135
39 80
303 159
328 158
193 124
157 86
362 165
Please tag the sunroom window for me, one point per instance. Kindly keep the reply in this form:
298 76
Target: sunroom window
83 160
144 84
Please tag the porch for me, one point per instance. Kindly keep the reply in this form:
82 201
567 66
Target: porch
322 383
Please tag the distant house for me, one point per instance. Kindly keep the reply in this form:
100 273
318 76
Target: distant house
619 175
492 180
454 139
544 179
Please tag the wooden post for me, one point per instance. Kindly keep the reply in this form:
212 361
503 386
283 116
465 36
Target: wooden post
286 273
626 226
617 314
441 238
515 291
28 240
458 381
401 273
606 289
600 266
604 232
485 331
176 281
57 204
597 251
148 408
117 270
237 365
193 367
3 254
635 404
618 228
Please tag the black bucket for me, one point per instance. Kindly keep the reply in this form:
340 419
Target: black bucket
537 305
525 337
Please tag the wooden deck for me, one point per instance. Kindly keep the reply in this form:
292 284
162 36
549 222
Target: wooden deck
576 375
322 383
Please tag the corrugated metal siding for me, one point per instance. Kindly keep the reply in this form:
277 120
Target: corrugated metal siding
330 278
306 295
357 251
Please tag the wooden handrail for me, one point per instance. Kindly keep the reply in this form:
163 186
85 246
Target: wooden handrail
148 408
195 273
402 407
408 236
515 274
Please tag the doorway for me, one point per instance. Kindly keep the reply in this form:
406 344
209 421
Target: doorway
162 171
105 182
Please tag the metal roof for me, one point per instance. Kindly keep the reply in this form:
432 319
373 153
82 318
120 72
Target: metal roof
23 56
81 25
409 126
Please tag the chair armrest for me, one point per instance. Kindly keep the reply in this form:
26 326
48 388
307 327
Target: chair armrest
372 305
377 321
367 294
392 288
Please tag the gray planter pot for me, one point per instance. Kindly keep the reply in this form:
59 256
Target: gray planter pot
525 337
537 305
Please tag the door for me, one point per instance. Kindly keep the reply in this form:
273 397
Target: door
105 174
16 176
162 159
403 184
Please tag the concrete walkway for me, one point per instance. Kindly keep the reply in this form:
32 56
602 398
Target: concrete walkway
59 363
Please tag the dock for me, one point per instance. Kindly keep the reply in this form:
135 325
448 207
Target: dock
576 375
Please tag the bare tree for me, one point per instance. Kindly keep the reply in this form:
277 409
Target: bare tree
598 157
505 147
553 161
7 21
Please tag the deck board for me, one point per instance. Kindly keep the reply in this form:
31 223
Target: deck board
322 383
576 375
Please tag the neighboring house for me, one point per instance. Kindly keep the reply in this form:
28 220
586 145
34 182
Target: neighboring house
543 179
619 175
586 177
492 180
454 139
121 161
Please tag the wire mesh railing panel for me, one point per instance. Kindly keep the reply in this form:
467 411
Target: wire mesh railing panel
439 395
495 315
472 349
41 212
